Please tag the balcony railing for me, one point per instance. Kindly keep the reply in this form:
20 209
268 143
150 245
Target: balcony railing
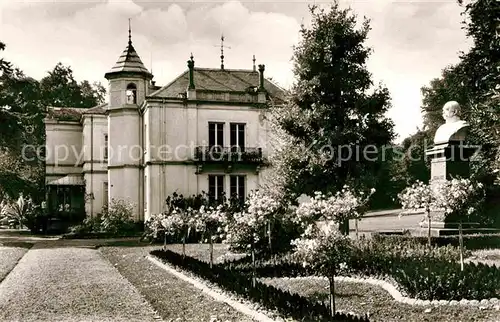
227 154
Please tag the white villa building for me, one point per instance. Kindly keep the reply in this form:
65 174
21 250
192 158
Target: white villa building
204 131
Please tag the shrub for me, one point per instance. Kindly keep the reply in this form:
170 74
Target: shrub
116 220
117 217
21 212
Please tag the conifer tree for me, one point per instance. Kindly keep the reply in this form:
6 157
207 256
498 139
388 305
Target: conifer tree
334 111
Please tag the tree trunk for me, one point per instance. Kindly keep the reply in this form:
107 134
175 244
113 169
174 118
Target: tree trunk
461 241
165 241
211 252
332 295
183 246
269 235
357 228
429 228
253 266
344 227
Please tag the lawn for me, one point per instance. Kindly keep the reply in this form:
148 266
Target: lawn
10 254
172 298
201 252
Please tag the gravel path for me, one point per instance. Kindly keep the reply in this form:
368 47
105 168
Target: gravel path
9 256
69 284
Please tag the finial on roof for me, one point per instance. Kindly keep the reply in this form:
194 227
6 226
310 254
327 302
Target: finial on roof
254 68
222 51
129 33
191 72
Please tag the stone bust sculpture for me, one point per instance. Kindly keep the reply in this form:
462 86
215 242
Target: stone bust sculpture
454 129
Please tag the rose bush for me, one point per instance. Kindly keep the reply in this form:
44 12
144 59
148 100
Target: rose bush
321 245
456 197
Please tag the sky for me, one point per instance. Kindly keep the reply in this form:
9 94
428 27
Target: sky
412 41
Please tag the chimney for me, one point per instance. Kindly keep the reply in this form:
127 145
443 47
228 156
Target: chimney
261 91
191 92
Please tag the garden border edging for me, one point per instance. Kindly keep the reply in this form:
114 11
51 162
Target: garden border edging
397 296
214 294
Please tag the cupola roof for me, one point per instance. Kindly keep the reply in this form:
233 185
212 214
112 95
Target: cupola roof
129 62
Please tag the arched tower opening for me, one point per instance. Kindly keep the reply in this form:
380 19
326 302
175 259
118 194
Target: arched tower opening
131 93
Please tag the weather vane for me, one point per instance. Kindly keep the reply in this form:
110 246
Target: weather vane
222 51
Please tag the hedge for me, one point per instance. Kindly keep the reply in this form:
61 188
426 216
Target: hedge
235 281
471 242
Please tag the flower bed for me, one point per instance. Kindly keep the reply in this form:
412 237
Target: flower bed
379 303
234 281
422 273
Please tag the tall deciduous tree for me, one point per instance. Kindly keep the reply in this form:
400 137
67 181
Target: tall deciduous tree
449 87
22 110
21 118
59 88
473 82
333 113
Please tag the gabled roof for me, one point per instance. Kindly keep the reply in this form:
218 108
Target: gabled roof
226 80
129 62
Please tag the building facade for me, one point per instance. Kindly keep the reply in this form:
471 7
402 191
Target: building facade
205 131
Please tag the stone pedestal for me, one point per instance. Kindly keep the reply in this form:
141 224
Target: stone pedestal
448 160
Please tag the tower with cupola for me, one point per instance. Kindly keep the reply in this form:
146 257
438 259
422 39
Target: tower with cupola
128 83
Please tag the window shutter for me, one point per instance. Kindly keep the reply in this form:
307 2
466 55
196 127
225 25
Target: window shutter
220 134
232 136
241 187
211 134
241 136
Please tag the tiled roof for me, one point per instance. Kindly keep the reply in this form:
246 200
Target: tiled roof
227 80
65 113
129 61
73 113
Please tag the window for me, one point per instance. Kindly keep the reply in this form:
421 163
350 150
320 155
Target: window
215 187
105 147
105 194
131 94
237 184
237 137
215 135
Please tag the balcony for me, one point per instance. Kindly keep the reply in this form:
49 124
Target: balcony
215 154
